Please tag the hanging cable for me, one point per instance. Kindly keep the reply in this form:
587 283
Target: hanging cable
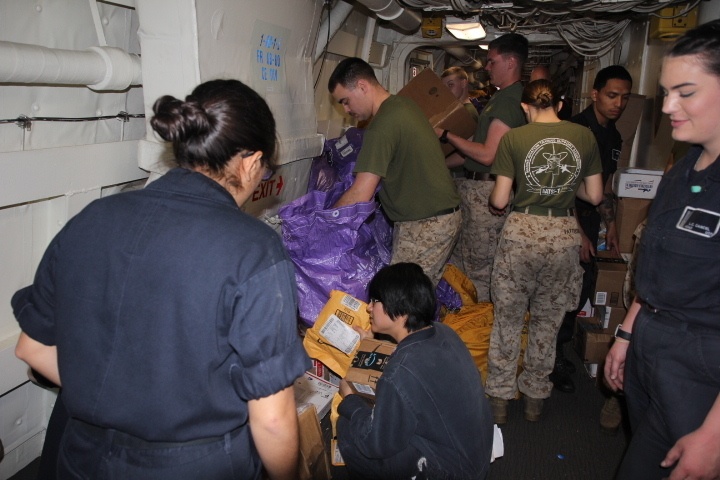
327 5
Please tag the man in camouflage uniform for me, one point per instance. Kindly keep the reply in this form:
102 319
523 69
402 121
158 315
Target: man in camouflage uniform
476 246
401 154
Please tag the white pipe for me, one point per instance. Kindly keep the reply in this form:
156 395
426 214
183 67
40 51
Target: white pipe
390 10
462 54
368 38
100 68
337 17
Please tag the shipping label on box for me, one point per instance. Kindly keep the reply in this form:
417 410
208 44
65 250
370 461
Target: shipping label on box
636 182
439 106
368 365
610 280
315 391
611 317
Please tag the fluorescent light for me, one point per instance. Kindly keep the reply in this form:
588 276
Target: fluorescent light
465 29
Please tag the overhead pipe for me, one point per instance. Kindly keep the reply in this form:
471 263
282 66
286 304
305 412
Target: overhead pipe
391 11
368 38
100 68
337 17
464 56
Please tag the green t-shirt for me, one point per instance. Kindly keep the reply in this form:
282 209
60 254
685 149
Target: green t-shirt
470 107
547 161
400 146
505 106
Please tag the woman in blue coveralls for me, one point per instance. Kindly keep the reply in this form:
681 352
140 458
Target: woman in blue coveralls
666 354
168 315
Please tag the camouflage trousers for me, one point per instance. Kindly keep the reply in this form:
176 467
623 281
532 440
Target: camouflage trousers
475 249
537 268
427 242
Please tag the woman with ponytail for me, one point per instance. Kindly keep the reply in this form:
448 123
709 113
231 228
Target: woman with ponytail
168 315
537 266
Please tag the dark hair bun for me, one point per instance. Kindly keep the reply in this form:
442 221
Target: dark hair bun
175 120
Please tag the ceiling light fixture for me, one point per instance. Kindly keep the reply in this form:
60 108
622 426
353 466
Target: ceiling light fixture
465 29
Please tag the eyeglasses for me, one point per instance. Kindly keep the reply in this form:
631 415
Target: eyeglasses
268 172
267 175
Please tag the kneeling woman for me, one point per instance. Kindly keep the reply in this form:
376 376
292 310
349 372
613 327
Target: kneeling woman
537 265
431 418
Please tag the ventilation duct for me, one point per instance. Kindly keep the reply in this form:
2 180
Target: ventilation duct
464 56
391 11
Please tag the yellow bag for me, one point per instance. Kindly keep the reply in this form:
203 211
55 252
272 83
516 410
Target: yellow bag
461 284
332 339
335 457
473 324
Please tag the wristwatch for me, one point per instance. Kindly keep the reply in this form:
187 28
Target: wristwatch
622 333
443 137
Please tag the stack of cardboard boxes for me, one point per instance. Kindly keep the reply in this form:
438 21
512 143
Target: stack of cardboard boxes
635 189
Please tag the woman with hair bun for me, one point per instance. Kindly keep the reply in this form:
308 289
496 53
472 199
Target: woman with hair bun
537 264
667 350
168 315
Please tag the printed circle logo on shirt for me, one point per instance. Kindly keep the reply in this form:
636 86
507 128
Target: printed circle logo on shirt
552 166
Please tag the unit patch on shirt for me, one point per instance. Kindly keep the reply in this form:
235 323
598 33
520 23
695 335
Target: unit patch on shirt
552 166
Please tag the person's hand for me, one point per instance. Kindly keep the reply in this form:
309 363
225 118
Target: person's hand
587 249
345 388
612 241
697 455
615 364
438 131
363 333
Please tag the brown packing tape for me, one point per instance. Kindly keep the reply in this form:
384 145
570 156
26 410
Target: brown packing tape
447 113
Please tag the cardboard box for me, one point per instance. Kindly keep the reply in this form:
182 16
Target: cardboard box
611 317
627 125
610 280
315 391
319 369
313 461
587 310
591 342
636 182
630 213
439 105
368 365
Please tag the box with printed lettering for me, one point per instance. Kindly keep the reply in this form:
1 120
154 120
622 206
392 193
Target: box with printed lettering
368 366
610 280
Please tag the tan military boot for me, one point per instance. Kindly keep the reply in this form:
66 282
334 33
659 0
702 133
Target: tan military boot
611 415
499 409
533 408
